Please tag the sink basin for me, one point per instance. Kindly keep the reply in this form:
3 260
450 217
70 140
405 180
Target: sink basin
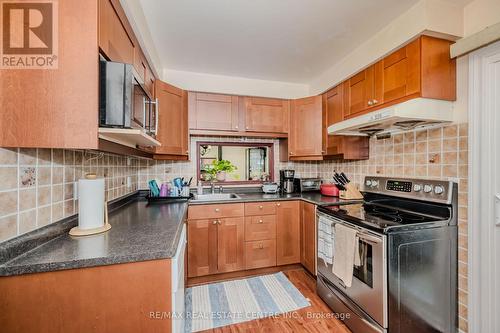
216 197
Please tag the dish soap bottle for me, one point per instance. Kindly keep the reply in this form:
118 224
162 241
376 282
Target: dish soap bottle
200 188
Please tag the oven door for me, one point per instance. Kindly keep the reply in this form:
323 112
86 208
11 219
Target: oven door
369 283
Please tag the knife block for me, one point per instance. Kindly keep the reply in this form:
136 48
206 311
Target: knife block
351 193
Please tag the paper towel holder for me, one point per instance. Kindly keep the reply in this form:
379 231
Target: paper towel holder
76 231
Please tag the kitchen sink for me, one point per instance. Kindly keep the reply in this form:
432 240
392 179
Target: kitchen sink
216 197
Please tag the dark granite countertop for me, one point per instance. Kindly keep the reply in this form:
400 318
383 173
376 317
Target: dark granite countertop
139 232
311 197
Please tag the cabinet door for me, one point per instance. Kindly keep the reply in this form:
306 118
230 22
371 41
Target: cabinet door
357 90
305 125
201 247
260 254
172 129
267 115
213 112
114 40
308 237
401 72
288 233
231 244
333 112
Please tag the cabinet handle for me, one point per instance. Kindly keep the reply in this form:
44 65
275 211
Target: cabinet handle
261 246
236 127
370 102
278 204
187 151
375 101
217 209
291 153
260 207
219 222
214 222
247 127
260 221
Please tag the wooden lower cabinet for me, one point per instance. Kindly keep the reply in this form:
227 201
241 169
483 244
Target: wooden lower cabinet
231 244
104 299
202 247
288 232
260 227
233 237
261 253
308 237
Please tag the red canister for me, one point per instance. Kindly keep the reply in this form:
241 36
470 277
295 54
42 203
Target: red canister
329 190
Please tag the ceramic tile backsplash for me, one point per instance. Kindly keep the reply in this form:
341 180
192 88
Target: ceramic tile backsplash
37 185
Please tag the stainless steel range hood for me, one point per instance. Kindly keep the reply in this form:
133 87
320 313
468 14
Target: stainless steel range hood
418 112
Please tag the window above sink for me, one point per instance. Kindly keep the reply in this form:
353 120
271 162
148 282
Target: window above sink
235 162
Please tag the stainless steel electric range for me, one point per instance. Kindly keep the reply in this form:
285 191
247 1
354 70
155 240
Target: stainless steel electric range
407 278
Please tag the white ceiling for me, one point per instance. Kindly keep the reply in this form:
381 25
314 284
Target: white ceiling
281 40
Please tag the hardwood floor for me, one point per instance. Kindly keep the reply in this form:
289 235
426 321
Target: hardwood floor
311 319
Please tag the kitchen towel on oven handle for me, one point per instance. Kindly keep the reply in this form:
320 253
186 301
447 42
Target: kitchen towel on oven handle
346 253
326 240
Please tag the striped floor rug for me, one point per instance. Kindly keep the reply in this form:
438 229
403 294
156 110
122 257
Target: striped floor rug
225 303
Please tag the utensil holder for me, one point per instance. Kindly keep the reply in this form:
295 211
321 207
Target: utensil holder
351 193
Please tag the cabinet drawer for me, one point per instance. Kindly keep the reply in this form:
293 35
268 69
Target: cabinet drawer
260 208
215 211
260 227
260 254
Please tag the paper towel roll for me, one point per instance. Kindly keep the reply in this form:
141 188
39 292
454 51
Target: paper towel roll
90 203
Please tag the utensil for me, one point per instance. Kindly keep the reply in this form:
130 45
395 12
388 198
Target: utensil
345 177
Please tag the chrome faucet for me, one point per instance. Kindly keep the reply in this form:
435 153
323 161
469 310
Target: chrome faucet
212 187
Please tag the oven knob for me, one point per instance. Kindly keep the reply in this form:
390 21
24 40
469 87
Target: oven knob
368 183
438 189
374 183
427 188
417 187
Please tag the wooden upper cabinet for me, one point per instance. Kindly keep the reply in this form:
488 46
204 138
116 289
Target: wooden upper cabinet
266 115
333 112
304 138
56 108
172 129
140 64
401 72
114 40
422 68
288 232
213 112
361 92
149 82
340 146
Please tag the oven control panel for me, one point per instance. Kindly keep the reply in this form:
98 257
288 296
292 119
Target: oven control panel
396 185
423 189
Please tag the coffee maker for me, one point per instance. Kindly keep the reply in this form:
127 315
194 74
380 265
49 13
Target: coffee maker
286 181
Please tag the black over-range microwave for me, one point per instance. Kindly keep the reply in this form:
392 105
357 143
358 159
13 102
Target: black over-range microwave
123 102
